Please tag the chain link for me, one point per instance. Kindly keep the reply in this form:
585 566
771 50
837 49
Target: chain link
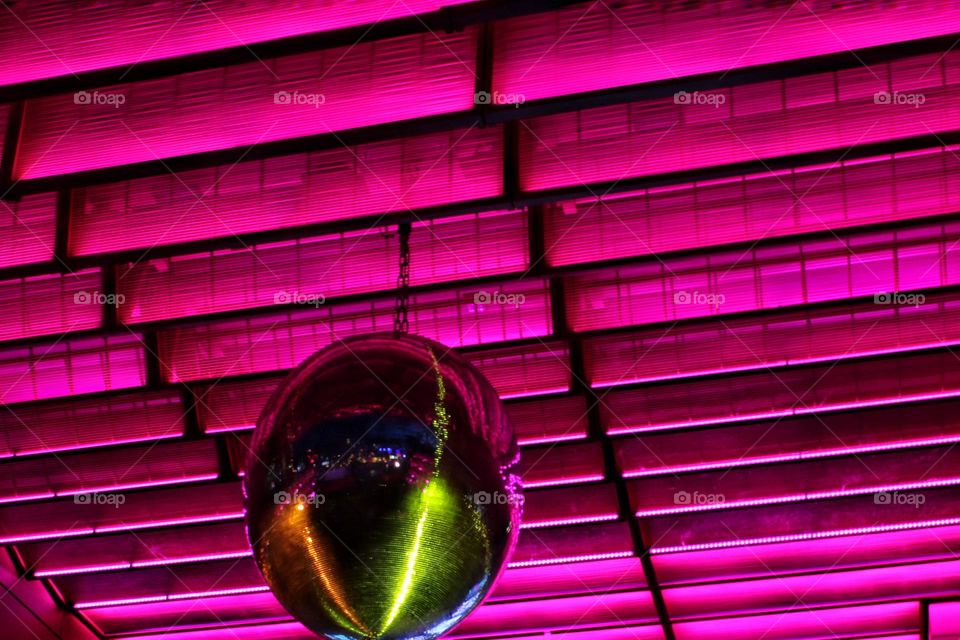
401 323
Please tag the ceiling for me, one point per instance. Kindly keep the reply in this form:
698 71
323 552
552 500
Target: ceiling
705 252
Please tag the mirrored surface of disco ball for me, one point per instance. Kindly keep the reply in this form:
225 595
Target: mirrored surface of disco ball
381 493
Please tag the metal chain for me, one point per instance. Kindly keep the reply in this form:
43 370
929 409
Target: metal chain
401 323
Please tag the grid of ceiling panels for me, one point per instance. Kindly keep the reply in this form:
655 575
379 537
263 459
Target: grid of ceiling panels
734 383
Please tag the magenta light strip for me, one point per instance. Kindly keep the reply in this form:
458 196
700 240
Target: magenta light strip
548 439
141 485
793 457
801 497
593 477
53 535
172 522
805 536
141 564
88 445
567 559
169 598
534 394
559 521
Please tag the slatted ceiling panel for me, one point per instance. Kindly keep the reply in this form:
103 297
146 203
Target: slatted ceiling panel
26 229
48 41
82 424
862 474
570 505
527 370
806 521
147 509
71 302
236 106
578 543
549 420
766 277
465 247
837 386
282 341
753 207
558 614
287 191
944 620
608 144
275 631
513 371
589 46
107 471
798 337
790 558
562 464
71 366
122 551
866 621
846 587
827 435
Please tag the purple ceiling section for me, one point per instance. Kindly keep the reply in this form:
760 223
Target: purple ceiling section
724 321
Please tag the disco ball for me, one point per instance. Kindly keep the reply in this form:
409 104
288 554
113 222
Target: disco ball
381 493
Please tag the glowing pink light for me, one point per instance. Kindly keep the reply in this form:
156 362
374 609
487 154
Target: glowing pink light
71 533
792 457
550 439
141 485
152 524
561 521
805 536
91 445
593 477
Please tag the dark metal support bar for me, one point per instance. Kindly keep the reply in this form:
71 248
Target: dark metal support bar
9 151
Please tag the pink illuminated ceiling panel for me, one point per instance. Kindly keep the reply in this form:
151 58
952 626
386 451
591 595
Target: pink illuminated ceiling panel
141 510
766 277
769 395
591 46
268 343
27 229
549 420
51 304
529 370
71 366
944 620
81 424
313 93
754 122
809 521
798 337
863 474
847 622
108 471
792 439
317 269
789 558
48 42
754 207
288 191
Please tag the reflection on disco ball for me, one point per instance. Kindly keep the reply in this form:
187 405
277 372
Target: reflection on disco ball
381 495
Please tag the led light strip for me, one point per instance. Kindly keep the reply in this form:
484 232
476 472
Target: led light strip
568 559
69 571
